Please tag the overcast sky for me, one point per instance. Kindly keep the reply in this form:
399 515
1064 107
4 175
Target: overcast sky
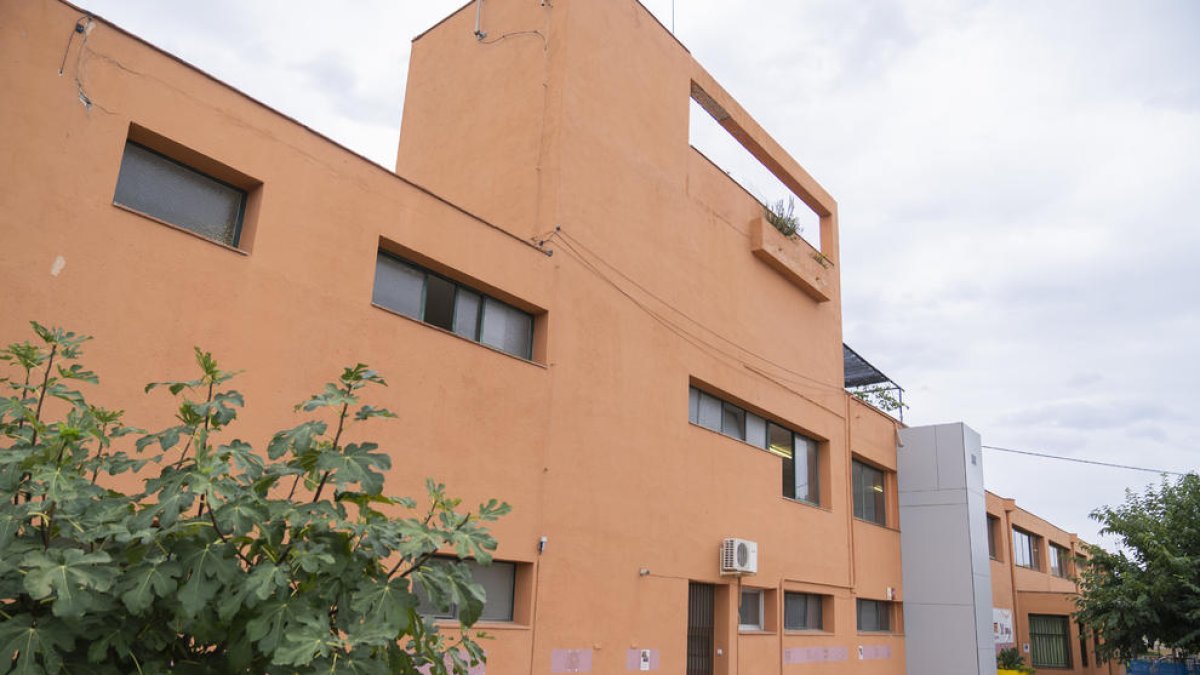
1017 180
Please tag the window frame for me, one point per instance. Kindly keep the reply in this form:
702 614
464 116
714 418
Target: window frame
882 608
761 594
1039 640
701 415
459 288
1032 551
810 598
859 492
993 535
452 613
242 192
1060 560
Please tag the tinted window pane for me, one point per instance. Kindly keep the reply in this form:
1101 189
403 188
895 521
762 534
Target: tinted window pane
466 314
870 502
733 422
807 486
506 328
439 302
756 430
710 412
498 580
750 611
178 195
398 286
801 611
874 615
693 405
779 442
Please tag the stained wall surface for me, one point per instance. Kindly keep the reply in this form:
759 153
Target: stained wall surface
662 278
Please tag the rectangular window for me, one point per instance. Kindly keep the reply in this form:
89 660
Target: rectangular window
874 616
1083 656
499 584
802 611
800 454
1026 549
870 500
750 610
162 188
993 533
417 293
1059 560
1050 641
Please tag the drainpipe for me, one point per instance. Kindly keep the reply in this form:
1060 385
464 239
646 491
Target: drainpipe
479 34
1009 506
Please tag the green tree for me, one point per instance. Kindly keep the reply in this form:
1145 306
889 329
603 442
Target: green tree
1147 593
228 560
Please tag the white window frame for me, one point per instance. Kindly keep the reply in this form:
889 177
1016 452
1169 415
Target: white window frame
762 601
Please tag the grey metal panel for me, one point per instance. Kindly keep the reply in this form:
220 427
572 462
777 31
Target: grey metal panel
943 538
916 469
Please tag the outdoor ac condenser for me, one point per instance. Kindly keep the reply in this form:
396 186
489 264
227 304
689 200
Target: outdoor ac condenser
739 556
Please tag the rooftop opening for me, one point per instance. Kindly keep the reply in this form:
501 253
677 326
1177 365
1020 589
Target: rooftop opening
707 133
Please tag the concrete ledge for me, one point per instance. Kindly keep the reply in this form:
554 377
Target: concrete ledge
793 258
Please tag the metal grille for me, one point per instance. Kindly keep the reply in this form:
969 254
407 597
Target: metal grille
700 629
1049 637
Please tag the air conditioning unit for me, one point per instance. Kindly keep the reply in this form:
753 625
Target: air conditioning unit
739 556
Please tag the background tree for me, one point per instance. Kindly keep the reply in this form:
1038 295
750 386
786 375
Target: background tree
1148 592
229 560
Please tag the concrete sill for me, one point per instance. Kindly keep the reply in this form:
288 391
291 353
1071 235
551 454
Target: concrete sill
793 258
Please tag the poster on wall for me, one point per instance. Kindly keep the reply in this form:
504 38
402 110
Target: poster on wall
1002 626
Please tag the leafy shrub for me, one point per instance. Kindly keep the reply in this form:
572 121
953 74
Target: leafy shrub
228 560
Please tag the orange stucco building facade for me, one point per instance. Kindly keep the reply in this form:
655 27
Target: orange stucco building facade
1033 592
621 284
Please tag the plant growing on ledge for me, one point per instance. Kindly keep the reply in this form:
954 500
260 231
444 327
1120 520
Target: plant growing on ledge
883 398
782 215
228 560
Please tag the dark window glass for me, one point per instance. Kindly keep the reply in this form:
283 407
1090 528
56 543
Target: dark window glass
802 611
418 293
165 189
1026 551
993 531
779 442
870 500
1050 641
710 412
506 328
1058 560
466 313
733 421
874 615
800 455
398 286
750 611
1083 655
499 584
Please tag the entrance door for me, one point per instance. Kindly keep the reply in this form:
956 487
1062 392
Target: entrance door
700 629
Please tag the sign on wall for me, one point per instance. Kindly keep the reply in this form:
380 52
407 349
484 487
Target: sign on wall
1002 626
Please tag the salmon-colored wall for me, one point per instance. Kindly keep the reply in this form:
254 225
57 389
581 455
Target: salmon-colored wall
1036 591
652 287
